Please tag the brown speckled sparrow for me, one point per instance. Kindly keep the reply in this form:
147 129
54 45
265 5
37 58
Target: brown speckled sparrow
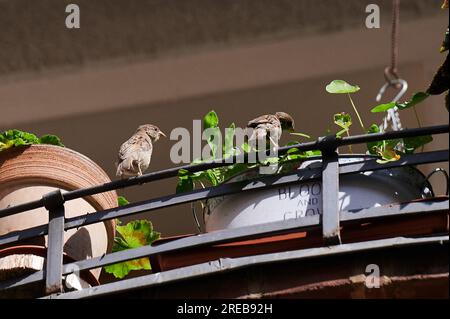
135 154
270 127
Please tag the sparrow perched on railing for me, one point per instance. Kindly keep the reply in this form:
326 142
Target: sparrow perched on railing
270 127
135 154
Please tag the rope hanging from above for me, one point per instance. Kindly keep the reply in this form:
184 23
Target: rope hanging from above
391 74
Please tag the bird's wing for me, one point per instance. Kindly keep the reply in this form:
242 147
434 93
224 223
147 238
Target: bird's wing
263 119
136 143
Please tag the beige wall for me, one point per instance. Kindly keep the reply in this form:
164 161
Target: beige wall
95 105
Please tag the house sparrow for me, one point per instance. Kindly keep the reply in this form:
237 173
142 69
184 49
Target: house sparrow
135 154
272 124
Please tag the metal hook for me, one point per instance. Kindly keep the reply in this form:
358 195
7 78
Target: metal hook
194 214
438 170
392 114
394 82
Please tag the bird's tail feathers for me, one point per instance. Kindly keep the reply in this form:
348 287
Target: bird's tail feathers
125 168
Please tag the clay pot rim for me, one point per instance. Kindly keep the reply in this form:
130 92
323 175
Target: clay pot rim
93 174
42 252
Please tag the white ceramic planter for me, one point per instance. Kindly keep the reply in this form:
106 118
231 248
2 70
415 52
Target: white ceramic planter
362 190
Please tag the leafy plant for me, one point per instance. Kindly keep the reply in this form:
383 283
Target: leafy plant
134 234
342 87
344 121
15 137
407 145
187 181
388 150
415 99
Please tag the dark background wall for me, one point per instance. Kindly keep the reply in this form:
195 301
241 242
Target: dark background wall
33 35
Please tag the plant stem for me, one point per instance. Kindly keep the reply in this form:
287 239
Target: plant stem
357 113
417 116
349 146
418 123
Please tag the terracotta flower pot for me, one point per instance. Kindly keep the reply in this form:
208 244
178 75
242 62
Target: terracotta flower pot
18 261
27 173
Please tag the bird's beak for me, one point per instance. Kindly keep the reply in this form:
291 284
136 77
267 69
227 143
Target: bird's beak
161 133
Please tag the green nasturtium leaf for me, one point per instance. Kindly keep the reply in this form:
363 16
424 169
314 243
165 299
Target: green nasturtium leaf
228 148
383 107
413 143
122 201
214 141
212 175
313 153
50 139
246 148
293 150
344 121
134 234
210 120
416 99
5 145
387 154
341 87
234 169
373 146
271 161
15 137
185 182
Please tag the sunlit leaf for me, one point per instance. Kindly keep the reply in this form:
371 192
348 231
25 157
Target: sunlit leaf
15 137
270 161
211 120
122 201
372 146
228 148
416 99
134 234
214 141
313 153
344 121
383 107
212 177
246 148
388 153
340 87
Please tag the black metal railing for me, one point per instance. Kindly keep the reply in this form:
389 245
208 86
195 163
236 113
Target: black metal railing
329 221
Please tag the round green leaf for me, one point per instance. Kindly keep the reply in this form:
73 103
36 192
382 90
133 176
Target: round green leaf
340 87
